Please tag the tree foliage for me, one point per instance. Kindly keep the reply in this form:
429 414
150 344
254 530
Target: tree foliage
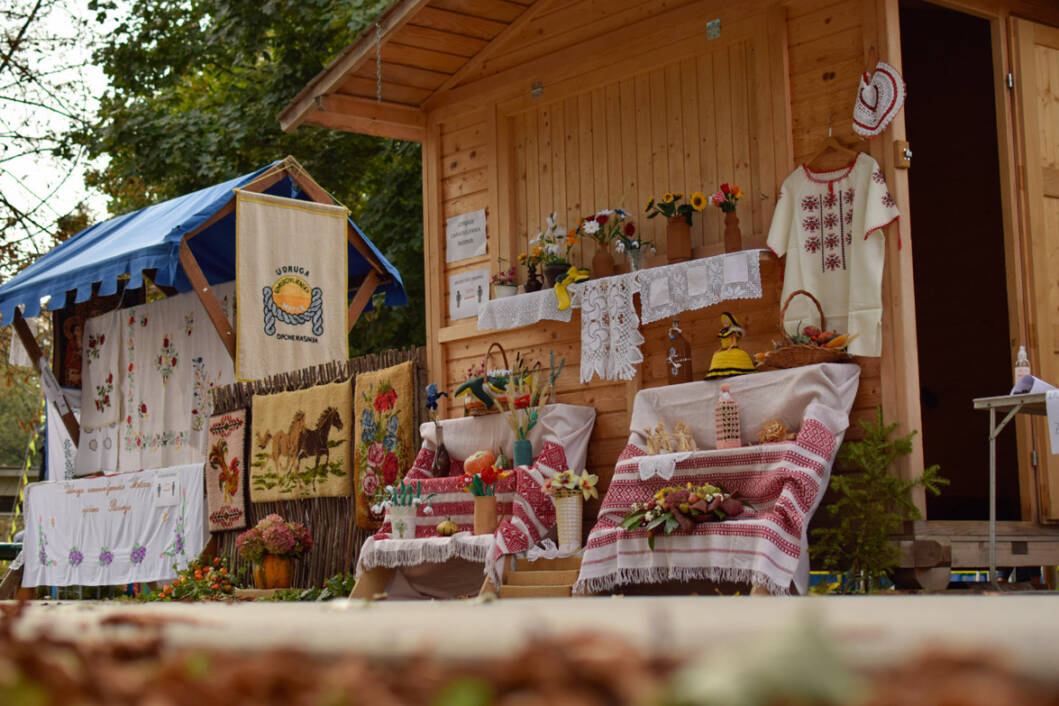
872 506
196 86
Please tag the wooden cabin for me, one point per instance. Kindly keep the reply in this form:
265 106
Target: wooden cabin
524 107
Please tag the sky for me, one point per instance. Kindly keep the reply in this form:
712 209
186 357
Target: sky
41 186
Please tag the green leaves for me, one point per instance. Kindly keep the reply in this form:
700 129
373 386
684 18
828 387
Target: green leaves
871 506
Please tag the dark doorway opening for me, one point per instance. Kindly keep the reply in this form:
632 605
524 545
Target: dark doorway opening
958 255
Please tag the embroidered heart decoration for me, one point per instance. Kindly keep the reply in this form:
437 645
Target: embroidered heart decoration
880 97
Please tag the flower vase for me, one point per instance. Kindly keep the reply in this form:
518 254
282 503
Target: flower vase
568 511
504 290
602 262
273 572
533 284
523 452
678 239
554 271
403 522
635 256
733 239
485 520
442 465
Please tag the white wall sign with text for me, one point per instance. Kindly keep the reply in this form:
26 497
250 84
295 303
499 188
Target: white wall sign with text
467 291
465 236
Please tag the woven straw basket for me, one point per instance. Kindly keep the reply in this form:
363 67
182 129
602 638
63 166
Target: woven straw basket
472 406
793 355
568 520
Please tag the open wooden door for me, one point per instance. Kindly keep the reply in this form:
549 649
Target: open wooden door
1036 60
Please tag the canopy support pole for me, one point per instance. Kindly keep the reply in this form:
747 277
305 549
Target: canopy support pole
29 342
361 298
209 300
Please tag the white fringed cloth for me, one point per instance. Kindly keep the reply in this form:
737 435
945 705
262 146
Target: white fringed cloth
781 484
525 516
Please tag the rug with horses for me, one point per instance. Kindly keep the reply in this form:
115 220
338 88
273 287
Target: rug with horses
300 447
385 414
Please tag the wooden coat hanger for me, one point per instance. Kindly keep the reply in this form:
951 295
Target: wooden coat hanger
833 156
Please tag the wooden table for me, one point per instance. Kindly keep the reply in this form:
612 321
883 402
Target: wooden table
1012 404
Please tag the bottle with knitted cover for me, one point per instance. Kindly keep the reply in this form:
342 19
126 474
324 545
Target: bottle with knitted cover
727 421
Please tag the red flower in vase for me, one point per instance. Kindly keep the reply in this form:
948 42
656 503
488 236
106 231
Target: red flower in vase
630 230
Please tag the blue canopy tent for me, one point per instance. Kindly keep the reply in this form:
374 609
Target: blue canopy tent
150 239
187 243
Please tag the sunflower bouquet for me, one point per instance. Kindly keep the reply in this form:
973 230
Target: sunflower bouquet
680 508
669 205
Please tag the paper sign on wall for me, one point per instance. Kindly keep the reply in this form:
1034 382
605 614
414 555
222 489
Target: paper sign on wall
465 236
468 290
166 488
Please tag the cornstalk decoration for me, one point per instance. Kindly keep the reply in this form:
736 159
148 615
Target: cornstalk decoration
524 384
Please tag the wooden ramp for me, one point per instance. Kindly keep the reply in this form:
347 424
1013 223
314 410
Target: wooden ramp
544 578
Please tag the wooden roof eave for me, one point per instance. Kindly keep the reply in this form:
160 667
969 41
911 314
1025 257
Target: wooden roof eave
391 118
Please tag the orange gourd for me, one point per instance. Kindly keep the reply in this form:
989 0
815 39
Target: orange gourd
478 462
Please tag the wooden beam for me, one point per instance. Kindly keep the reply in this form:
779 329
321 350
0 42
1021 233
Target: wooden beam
209 300
368 117
227 209
35 354
496 44
362 297
363 47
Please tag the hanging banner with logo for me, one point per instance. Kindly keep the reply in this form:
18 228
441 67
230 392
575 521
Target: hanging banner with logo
291 274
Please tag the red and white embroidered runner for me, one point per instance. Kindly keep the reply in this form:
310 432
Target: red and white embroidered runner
780 484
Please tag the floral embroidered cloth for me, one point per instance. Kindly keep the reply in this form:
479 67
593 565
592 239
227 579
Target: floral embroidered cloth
117 529
100 373
62 453
781 483
300 444
822 223
170 360
292 275
385 414
226 471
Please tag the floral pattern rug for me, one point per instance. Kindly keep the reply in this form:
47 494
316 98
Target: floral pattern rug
385 414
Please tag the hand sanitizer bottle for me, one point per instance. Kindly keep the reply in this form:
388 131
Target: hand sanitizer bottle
1022 364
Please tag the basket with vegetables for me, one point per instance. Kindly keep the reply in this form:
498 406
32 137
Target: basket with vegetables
810 345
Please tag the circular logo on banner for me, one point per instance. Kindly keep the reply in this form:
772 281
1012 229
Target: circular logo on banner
292 294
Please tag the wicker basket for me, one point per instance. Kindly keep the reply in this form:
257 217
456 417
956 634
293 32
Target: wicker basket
472 406
793 355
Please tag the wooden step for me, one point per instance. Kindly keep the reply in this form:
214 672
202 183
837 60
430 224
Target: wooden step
507 591
568 563
541 578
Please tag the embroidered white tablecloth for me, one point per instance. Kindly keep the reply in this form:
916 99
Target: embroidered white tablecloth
392 553
781 483
117 529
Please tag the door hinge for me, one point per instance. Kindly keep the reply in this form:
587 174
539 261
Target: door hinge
1011 80
1033 458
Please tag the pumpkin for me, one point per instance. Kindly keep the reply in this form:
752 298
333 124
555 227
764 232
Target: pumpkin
478 462
447 528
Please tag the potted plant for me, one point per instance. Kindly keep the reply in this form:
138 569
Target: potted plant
678 221
532 261
725 200
524 399
570 490
401 502
271 547
555 246
627 241
504 284
482 485
603 227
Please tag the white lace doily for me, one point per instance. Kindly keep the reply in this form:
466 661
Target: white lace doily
667 291
521 310
610 329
